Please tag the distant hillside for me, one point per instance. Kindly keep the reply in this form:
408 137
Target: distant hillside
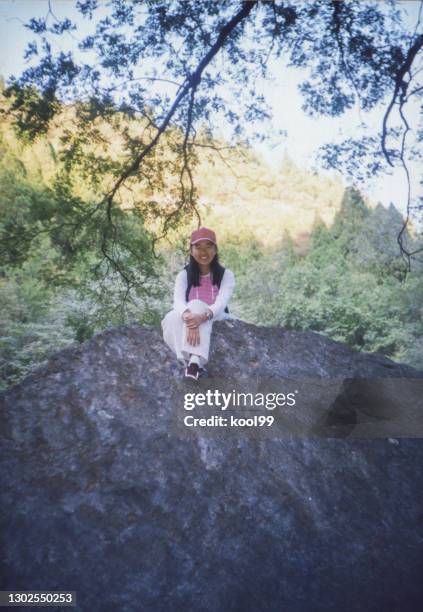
265 203
233 184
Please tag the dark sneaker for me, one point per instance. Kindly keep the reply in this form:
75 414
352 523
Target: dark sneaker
202 372
192 371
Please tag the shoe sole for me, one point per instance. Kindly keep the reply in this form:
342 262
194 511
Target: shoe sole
191 376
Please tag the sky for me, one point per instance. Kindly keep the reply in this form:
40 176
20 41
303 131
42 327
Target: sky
304 134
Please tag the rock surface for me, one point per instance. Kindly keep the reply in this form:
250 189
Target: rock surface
101 495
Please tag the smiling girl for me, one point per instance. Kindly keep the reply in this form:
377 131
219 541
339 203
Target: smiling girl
202 292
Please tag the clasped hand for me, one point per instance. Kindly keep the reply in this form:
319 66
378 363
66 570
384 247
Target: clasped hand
193 322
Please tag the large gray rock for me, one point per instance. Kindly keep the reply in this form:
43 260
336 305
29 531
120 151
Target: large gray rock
106 492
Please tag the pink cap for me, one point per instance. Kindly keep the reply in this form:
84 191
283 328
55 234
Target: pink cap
203 233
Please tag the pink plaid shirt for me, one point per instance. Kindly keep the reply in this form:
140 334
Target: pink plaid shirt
205 292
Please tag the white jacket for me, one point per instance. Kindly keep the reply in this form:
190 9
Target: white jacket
226 289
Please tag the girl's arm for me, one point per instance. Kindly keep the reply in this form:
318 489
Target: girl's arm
181 284
226 290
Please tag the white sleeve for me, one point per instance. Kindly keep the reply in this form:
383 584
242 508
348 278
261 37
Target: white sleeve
226 290
181 284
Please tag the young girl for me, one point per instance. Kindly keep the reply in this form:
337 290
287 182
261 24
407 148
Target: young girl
202 292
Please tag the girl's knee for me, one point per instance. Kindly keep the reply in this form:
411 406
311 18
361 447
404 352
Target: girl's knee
197 306
170 317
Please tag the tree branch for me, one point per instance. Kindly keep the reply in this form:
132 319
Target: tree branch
191 83
400 88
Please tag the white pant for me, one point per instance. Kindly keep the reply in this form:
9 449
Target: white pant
175 333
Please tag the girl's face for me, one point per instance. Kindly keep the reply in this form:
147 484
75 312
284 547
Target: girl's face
203 252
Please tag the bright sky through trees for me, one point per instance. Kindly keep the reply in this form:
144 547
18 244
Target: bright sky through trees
304 134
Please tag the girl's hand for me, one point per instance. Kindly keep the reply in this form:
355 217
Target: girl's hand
193 336
193 320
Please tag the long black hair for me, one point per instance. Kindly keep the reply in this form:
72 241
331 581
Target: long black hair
193 272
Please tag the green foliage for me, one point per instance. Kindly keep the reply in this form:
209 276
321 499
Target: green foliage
30 327
55 287
35 110
350 286
113 163
345 279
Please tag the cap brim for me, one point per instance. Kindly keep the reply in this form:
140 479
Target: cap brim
200 239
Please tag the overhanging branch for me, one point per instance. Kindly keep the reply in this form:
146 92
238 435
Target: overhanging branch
191 83
400 89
